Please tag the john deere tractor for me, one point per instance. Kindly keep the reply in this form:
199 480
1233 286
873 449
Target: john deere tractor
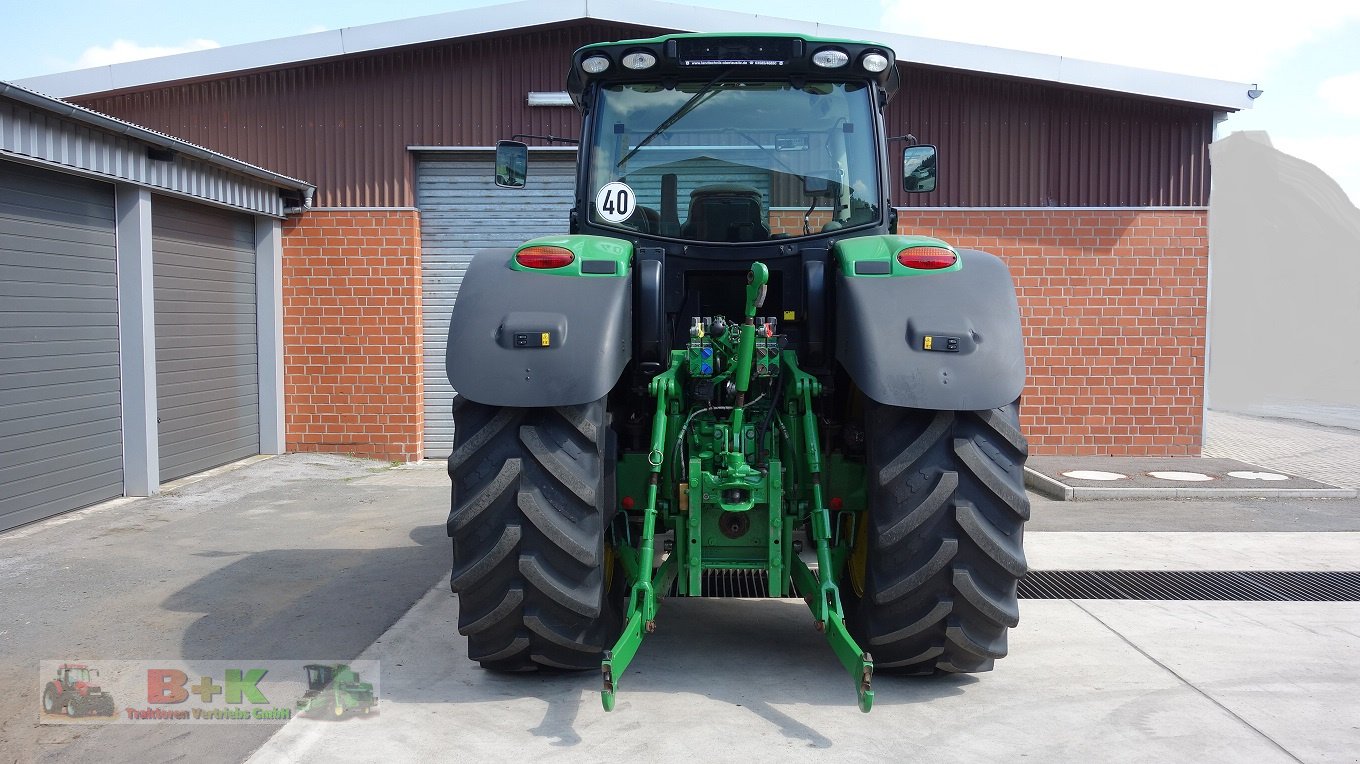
336 690
734 368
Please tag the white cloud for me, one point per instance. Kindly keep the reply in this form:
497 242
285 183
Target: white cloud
1342 94
1231 42
314 28
120 51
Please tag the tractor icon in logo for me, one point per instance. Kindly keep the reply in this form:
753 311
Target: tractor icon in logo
335 690
73 693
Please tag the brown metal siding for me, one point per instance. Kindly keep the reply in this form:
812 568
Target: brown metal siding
344 124
1012 143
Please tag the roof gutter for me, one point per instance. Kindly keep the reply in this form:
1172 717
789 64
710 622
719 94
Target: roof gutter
146 135
491 19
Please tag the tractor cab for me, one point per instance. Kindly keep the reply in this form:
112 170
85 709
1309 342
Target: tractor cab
735 140
318 676
72 675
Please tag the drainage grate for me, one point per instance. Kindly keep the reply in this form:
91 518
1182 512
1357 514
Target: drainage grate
1222 585
1234 585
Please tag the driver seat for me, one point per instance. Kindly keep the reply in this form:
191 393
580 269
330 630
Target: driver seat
725 212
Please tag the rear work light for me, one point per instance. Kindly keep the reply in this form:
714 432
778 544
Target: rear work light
874 62
544 257
639 60
927 258
830 58
595 64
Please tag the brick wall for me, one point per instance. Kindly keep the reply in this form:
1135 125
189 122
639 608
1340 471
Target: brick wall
791 221
1113 304
352 333
1114 310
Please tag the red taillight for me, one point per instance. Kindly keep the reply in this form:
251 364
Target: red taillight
927 258
544 257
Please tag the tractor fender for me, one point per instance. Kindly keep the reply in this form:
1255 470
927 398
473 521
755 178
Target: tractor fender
520 338
944 341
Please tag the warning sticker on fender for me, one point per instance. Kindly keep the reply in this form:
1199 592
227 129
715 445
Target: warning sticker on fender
615 202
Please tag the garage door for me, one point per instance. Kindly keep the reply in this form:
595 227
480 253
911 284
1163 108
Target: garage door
462 211
60 412
207 380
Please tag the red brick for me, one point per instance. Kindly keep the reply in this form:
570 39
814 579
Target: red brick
350 387
1113 309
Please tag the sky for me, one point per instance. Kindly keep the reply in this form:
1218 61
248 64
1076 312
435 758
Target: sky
1307 60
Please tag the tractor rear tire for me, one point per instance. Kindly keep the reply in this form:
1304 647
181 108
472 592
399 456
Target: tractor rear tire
947 509
531 502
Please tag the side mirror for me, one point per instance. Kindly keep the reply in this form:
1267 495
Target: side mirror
512 164
918 169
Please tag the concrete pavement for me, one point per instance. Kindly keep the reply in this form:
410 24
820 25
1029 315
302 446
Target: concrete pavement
749 680
296 557
1083 478
1163 550
1243 457
1327 453
309 556
1086 680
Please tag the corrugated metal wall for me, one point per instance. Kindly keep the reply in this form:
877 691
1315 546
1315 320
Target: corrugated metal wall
345 123
1010 143
34 135
457 197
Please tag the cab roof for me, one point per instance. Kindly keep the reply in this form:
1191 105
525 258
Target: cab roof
735 56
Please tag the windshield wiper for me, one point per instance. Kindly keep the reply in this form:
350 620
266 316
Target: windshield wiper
685 108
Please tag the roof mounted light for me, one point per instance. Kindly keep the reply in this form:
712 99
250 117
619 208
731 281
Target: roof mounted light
830 58
874 62
639 59
595 64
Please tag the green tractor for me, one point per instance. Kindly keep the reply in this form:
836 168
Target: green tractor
733 352
335 690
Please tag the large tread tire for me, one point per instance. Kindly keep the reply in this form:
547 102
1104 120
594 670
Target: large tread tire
528 521
947 509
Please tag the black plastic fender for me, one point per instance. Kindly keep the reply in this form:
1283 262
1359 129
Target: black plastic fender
519 338
653 335
976 355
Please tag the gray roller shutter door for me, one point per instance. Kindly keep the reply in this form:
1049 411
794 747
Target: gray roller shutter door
207 378
462 211
61 444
